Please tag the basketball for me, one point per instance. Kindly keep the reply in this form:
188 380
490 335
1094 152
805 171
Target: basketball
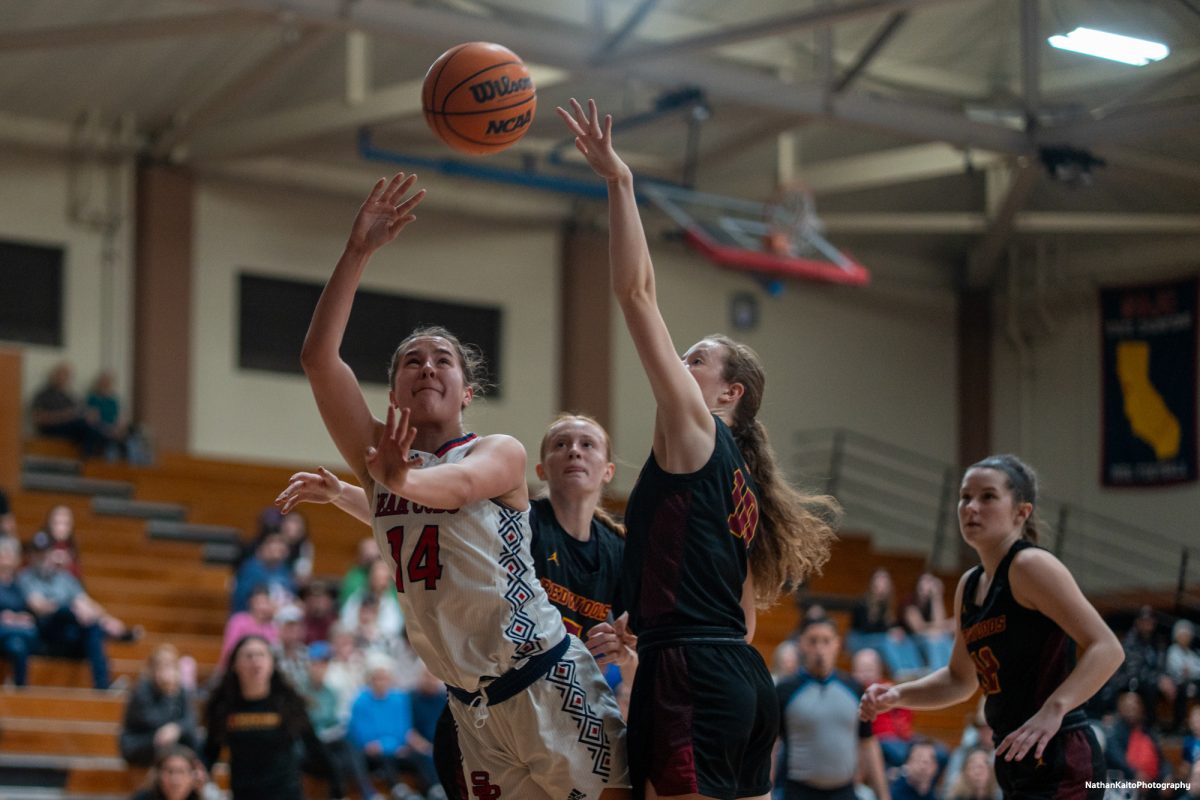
478 98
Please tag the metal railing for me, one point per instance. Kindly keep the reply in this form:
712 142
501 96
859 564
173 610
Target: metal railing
908 501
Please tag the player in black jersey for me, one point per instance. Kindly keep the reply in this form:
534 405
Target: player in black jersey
1027 636
713 531
577 549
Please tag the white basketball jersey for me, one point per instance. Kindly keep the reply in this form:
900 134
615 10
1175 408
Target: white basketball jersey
472 605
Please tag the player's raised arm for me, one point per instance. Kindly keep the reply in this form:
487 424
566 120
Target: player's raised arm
683 439
385 212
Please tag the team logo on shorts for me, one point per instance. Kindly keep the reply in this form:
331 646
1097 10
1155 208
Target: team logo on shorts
590 724
482 786
576 795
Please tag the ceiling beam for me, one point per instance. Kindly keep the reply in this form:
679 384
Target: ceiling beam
1009 198
1131 124
892 166
873 48
1031 62
251 79
922 223
821 17
626 29
741 84
268 131
131 30
1147 162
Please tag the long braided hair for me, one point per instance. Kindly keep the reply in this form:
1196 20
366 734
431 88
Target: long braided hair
796 529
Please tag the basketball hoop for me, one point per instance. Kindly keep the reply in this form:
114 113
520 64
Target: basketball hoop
791 219
780 239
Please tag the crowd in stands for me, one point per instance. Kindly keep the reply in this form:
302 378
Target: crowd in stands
360 709
1154 694
44 608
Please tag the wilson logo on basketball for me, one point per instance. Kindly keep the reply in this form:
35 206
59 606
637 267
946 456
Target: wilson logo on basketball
509 125
501 87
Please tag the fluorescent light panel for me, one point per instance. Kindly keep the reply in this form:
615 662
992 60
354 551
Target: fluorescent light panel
1113 46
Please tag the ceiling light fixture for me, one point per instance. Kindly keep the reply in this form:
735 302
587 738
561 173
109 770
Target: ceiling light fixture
1113 46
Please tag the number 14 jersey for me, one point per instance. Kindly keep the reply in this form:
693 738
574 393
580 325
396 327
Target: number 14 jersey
473 607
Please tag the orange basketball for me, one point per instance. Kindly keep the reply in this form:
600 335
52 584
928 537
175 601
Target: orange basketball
478 98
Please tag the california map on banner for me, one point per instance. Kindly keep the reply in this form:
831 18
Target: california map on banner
1149 345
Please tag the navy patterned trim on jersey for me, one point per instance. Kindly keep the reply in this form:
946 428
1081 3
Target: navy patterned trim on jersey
562 676
453 443
518 590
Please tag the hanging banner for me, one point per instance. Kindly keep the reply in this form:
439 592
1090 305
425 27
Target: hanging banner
1148 346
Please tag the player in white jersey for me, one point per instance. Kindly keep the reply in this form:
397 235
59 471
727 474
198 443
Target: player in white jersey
536 718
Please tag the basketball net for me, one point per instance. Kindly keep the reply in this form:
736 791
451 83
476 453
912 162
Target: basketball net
791 219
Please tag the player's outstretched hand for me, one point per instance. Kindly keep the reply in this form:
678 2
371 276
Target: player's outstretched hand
877 699
388 461
1035 734
321 486
385 212
593 138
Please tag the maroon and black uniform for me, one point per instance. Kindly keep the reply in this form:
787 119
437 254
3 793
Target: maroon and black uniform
703 716
1021 657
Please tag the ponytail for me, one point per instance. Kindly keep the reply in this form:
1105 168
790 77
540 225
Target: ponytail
796 530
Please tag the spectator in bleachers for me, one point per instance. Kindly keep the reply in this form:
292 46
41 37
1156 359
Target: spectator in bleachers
347 672
926 620
60 527
893 728
874 624
331 728
59 413
1191 741
369 637
159 714
176 774
293 527
977 781
1183 668
356 576
263 721
257 620
1132 746
381 726
18 629
267 567
918 777
1144 670
1194 780
70 623
102 399
292 658
8 523
785 661
428 699
320 610
825 744
380 585
977 734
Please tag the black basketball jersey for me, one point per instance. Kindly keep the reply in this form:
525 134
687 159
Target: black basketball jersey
1021 656
580 578
687 542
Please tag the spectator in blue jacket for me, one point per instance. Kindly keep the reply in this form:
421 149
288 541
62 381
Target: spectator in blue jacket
267 567
381 725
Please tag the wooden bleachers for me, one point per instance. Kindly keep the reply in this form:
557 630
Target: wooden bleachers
164 587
